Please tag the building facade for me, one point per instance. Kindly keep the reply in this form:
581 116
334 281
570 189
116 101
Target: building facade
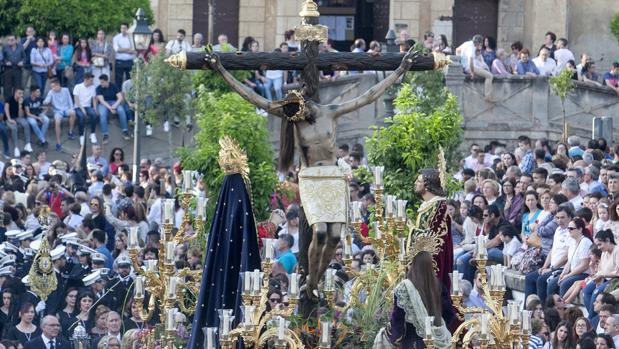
584 23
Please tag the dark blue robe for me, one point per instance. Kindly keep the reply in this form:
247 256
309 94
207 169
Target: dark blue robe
232 248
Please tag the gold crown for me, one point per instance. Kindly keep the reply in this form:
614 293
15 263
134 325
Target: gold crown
310 9
232 158
424 241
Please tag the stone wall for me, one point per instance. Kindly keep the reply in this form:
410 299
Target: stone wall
171 15
527 106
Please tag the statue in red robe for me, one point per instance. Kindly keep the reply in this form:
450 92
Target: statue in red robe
432 216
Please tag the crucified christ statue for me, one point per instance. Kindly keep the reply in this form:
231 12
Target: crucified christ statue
310 126
313 127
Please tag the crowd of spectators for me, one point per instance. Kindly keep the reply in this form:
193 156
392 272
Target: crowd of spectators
480 57
550 212
82 80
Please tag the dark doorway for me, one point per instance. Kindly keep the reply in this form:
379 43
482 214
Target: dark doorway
472 17
381 19
226 18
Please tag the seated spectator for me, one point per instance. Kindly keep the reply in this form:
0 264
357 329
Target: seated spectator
488 50
15 115
526 66
549 43
287 259
561 337
510 239
498 65
544 63
33 108
605 312
594 261
473 63
539 334
62 107
536 281
583 329
588 74
563 55
223 45
609 263
514 57
111 100
84 95
577 259
179 44
611 78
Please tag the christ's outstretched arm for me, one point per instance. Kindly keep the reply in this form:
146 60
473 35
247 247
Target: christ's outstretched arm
377 90
245 91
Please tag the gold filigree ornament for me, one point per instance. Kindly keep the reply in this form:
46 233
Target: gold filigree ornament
442 168
424 241
178 61
232 158
42 277
294 96
309 32
309 9
440 60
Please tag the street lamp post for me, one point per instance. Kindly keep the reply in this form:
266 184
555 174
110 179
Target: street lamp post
141 38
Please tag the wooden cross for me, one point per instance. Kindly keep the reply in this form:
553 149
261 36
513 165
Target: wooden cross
304 118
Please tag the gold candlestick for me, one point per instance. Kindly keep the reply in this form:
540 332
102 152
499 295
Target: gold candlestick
378 197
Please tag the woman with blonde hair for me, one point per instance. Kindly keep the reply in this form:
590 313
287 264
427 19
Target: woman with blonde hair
130 339
109 342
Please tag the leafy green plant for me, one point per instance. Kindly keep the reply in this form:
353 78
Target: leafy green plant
214 83
410 140
163 92
614 26
561 85
78 17
229 115
371 307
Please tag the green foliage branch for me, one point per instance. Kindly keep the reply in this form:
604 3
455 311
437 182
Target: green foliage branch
80 18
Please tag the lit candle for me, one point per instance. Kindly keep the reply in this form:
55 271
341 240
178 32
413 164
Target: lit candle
187 180
168 211
347 249
247 282
172 287
209 334
248 313
201 208
402 249
378 235
429 320
484 325
139 287
526 320
281 328
402 209
378 175
294 285
225 326
256 281
329 280
356 211
170 248
170 320
389 205
151 265
492 277
455 279
133 237
268 249
501 277
325 333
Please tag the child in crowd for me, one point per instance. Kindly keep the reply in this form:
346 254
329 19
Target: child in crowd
603 217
